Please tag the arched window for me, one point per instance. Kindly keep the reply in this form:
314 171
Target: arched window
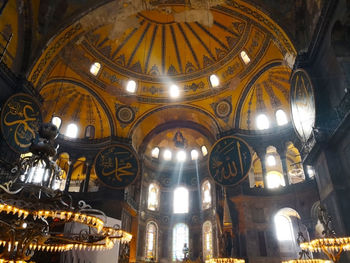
72 130
153 197
95 68
281 118
274 179
151 241
57 122
284 229
245 57
206 195
180 200
287 226
262 122
207 240
90 132
155 152
204 150
180 239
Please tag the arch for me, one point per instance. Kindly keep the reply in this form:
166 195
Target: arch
206 194
248 87
207 238
181 200
78 175
72 130
151 247
166 118
180 238
288 226
281 117
90 132
255 174
274 170
100 100
153 197
57 121
295 168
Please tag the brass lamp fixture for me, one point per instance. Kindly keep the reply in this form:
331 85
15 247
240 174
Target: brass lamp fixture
225 260
33 214
330 245
304 255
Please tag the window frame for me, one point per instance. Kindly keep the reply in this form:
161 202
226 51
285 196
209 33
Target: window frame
177 206
156 186
155 240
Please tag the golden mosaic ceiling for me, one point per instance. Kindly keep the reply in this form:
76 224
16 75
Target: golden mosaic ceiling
163 45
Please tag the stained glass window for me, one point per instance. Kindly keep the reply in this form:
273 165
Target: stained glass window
153 197
207 240
206 195
151 241
180 200
180 238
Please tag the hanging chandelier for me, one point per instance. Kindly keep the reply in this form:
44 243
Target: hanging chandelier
33 214
330 245
224 260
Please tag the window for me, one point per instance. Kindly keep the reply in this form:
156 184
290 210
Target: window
72 130
271 160
287 225
180 239
206 195
167 155
194 154
155 152
90 132
153 197
95 68
207 240
131 86
262 122
204 150
284 229
181 156
180 200
174 91
214 80
245 57
281 118
151 241
57 122
274 179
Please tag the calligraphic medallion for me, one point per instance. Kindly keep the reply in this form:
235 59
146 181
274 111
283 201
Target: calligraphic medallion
117 166
302 101
20 120
229 161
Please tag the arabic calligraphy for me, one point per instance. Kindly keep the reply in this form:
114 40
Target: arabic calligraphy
229 161
20 121
117 166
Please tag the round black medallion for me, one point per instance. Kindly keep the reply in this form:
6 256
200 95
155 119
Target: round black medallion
20 121
229 161
117 166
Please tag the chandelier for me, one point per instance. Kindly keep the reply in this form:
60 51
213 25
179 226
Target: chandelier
33 214
224 260
330 245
